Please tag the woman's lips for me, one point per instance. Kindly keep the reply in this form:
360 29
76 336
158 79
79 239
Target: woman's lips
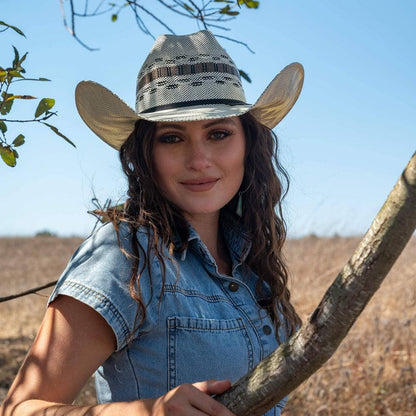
199 185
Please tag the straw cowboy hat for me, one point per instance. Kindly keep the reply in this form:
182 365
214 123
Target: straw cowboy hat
185 78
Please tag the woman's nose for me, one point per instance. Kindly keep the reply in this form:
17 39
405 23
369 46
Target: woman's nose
198 156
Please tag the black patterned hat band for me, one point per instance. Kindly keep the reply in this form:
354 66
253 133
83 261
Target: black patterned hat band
185 78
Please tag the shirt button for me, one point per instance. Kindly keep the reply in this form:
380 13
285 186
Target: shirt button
233 287
267 330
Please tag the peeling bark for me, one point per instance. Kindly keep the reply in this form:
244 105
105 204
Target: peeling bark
319 337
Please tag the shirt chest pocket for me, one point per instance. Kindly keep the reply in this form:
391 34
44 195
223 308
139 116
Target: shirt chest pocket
202 349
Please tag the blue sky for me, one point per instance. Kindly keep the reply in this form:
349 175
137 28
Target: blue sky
344 144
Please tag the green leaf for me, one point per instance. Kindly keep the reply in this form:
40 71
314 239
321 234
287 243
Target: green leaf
6 107
18 65
56 131
23 58
227 10
251 4
16 155
16 29
43 79
114 17
21 97
3 127
16 57
19 140
44 105
15 74
9 158
244 75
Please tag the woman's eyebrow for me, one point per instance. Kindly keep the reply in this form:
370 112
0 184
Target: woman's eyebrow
170 126
228 120
210 123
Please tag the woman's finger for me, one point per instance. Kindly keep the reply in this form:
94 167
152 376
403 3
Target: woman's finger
213 386
207 404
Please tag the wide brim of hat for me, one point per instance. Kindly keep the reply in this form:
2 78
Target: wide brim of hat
111 119
279 96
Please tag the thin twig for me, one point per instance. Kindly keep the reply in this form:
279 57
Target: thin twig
155 17
27 292
71 3
61 3
139 21
98 7
235 41
175 10
200 14
30 121
96 12
71 30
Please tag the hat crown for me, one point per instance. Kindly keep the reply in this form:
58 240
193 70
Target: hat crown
185 71
185 78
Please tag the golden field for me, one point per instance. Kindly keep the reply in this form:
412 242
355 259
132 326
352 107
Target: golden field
372 373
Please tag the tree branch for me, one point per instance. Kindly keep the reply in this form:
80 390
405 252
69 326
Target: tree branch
39 120
317 340
208 17
235 41
71 29
160 21
28 292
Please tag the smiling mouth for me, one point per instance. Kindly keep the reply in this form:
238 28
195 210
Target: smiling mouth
200 185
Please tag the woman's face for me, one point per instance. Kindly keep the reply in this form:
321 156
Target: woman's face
199 165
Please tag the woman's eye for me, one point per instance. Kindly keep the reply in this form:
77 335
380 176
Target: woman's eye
220 134
169 138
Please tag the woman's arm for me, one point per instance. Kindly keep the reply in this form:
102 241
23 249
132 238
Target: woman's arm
72 342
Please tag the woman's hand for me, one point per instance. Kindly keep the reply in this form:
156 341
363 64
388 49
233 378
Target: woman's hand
191 400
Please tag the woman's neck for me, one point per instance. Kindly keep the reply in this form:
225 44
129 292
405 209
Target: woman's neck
207 227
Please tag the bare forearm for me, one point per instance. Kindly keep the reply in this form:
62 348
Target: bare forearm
185 399
44 408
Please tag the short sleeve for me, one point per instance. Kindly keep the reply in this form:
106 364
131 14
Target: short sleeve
98 275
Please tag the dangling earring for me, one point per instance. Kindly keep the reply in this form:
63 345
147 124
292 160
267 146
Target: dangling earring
239 210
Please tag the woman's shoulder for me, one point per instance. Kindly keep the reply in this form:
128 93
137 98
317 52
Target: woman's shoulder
98 275
109 247
120 236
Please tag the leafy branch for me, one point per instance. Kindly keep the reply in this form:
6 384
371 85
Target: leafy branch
9 76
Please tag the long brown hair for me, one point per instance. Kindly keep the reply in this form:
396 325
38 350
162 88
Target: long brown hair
264 184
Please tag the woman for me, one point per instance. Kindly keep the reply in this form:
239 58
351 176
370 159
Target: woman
188 283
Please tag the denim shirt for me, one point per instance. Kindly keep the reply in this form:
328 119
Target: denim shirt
203 324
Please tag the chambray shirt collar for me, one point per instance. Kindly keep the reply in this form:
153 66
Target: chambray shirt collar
236 239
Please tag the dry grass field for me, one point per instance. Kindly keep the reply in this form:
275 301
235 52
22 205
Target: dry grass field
372 373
